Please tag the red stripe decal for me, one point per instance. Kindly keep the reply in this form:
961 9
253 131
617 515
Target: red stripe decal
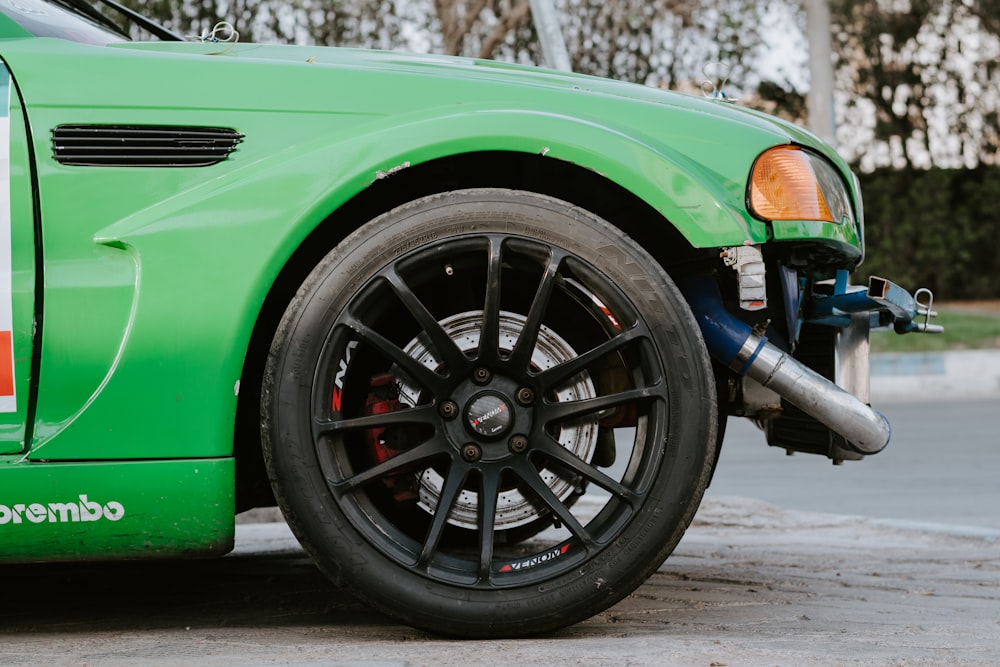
6 364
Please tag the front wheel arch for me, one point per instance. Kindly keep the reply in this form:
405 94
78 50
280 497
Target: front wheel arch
563 180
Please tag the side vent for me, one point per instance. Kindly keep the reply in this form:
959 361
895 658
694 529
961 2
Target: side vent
142 145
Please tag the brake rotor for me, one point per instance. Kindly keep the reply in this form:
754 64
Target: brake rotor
513 507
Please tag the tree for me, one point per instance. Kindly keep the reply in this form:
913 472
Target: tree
925 77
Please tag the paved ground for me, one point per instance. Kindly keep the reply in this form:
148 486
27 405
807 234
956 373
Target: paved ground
749 585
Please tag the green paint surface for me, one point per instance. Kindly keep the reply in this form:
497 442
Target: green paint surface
105 510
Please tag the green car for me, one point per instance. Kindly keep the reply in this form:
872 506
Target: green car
475 328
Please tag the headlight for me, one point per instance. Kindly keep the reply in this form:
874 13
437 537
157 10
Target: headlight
791 183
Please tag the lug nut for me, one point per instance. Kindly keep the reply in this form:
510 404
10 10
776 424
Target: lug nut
518 444
525 396
448 410
471 452
481 375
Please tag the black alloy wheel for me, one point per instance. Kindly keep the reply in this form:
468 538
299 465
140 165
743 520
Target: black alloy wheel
489 413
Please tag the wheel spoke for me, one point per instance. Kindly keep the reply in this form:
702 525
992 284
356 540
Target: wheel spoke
556 412
397 463
554 450
453 485
422 414
417 371
487 521
558 374
454 359
532 478
526 341
489 337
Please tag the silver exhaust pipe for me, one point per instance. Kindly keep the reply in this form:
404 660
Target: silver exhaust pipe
866 430
732 342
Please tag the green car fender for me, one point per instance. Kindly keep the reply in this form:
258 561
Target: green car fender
193 338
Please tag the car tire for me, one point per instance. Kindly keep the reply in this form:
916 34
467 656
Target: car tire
488 413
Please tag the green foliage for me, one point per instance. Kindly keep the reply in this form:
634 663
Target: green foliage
938 228
963 330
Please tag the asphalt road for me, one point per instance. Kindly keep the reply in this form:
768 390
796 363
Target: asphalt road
754 582
942 467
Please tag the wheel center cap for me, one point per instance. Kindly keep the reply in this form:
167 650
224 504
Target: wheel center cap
489 415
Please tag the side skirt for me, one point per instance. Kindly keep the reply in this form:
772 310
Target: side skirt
116 509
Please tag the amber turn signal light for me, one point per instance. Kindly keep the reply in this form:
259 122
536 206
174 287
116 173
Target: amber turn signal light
785 186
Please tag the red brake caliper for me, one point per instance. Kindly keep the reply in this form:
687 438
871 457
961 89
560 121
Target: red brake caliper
387 443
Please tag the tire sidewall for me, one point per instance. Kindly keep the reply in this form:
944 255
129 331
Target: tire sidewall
329 536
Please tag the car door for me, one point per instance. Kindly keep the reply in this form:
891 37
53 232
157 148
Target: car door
17 269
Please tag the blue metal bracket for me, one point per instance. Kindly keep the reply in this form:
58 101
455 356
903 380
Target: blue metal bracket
885 301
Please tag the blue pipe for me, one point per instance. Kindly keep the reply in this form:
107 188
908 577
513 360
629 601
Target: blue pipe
725 334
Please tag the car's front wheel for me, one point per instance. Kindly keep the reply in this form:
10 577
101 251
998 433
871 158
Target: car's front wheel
488 413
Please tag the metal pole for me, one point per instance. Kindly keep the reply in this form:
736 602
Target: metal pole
554 51
819 101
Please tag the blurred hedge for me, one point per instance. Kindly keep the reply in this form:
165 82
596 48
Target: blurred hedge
938 229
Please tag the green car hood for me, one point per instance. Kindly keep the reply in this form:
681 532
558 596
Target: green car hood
487 72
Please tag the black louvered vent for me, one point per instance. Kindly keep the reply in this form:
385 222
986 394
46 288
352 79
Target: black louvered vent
142 145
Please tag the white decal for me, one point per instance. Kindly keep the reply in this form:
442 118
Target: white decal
76 512
537 559
338 380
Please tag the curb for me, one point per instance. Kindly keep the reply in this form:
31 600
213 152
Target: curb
935 375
